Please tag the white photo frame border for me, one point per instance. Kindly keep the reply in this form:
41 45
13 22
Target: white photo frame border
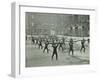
18 41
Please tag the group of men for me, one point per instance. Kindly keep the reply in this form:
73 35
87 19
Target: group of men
43 43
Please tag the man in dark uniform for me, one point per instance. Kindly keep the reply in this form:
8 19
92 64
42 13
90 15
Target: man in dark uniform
55 50
82 45
33 40
88 41
26 37
46 47
71 46
40 44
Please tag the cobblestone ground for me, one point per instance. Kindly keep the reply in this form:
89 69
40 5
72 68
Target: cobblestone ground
35 56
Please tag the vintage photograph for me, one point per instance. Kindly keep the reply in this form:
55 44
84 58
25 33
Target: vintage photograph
54 39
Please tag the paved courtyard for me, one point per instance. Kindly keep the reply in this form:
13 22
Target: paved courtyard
36 58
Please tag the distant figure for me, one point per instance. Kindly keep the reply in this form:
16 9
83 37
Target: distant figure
82 45
40 44
71 46
37 41
26 37
33 40
55 51
61 46
63 40
88 41
46 47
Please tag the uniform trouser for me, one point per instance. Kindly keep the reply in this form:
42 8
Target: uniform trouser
55 53
46 49
70 51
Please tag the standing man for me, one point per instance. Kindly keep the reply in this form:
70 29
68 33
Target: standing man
46 47
88 41
61 46
33 40
55 51
40 44
82 45
71 46
26 37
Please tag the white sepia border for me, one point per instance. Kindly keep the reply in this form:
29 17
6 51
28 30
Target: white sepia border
18 41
